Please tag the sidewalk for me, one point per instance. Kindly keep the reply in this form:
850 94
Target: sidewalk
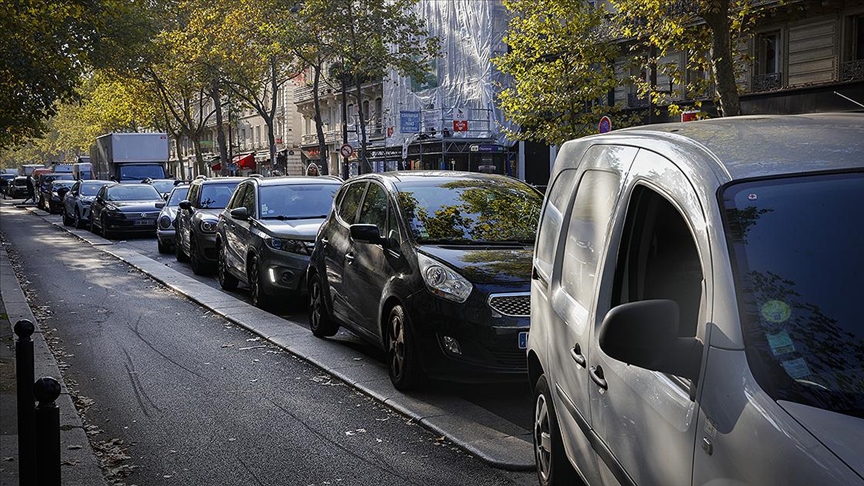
79 465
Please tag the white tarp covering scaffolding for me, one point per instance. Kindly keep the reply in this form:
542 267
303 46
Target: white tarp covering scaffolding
456 99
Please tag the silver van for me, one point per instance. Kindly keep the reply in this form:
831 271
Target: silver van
694 305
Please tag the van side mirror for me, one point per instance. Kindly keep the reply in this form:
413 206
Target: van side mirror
366 233
645 334
241 213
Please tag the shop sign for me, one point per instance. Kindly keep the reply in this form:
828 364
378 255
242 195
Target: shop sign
487 148
460 120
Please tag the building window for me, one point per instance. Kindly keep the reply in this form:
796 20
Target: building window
853 66
243 138
768 75
257 136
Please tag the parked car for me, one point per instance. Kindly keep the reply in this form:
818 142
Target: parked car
195 240
126 208
43 188
267 231
5 182
432 267
694 315
17 188
164 186
76 203
57 190
165 230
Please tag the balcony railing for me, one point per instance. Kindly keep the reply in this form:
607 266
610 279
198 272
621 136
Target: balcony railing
766 82
852 70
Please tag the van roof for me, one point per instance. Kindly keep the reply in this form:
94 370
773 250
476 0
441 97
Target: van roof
754 146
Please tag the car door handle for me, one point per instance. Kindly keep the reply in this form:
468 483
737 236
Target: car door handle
597 377
576 354
349 257
324 241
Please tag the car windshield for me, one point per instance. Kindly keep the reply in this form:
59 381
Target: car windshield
216 196
796 251
163 186
58 184
481 211
296 201
178 195
90 188
140 192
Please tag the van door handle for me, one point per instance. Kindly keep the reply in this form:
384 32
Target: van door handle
349 257
576 354
597 377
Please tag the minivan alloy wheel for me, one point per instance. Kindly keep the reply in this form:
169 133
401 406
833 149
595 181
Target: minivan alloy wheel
259 299
553 467
320 322
226 280
403 364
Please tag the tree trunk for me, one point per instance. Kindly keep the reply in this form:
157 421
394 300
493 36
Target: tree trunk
216 95
721 59
199 157
274 90
323 160
182 175
364 163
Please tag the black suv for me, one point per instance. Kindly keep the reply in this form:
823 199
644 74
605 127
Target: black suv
196 221
432 267
267 232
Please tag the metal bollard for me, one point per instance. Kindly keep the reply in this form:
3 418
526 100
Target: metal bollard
47 424
24 388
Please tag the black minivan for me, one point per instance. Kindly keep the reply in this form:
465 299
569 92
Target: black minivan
432 267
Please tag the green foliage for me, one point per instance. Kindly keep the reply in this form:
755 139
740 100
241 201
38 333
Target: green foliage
561 60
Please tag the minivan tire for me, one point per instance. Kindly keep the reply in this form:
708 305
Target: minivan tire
553 467
403 364
320 322
226 280
256 287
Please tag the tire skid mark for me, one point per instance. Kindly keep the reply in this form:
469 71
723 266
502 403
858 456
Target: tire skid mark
136 385
160 353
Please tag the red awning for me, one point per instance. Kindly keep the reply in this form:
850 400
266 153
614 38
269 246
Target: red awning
245 161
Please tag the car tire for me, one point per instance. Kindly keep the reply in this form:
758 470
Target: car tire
553 467
226 280
178 250
163 248
320 322
93 228
77 221
199 267
106 233
403 364
256 292
67 221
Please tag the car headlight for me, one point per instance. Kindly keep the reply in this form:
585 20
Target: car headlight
208 225
289 245
164 222
442 281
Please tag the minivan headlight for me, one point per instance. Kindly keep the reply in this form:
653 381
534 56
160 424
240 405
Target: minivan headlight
442 281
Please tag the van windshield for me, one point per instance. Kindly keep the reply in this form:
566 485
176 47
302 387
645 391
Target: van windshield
796 247
474 211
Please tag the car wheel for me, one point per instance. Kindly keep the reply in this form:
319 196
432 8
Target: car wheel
198 267
259 298
67 221
93 228
77 222
226 280
320 322
178 250
403 364
553 468
106 233
163 248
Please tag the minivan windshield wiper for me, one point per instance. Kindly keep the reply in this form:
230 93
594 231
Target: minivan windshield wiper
282 217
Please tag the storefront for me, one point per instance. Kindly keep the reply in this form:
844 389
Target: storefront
470 156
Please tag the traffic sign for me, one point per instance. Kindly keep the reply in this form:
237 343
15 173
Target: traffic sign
346 150
605 125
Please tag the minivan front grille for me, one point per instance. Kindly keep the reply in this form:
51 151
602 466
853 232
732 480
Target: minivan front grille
512 305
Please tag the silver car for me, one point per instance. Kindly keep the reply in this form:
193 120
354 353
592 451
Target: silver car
165 229
76 202
694 305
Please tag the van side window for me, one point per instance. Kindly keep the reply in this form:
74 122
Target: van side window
658 258
374 209
586 233
550 224
347 209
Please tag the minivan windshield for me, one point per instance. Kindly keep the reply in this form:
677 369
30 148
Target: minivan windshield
471 211
796 246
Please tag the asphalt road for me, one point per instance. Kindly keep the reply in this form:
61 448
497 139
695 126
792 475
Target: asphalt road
197 400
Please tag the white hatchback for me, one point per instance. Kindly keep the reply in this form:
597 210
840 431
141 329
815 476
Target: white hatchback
694 305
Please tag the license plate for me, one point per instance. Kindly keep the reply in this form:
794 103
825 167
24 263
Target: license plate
145 222
523 340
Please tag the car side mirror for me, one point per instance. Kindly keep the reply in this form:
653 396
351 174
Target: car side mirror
62 191
645 334
366 233
185 204
241 213
160 204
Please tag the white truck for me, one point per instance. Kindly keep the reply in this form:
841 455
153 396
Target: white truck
129 157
